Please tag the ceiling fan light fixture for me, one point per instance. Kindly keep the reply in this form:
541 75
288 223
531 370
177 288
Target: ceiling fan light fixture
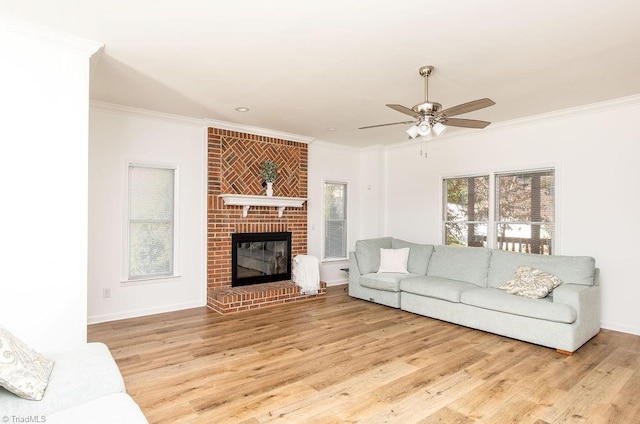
439 128
423 128
413 131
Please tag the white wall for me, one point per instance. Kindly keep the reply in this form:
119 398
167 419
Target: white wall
595 151
44 92
371 191
331 162
119 135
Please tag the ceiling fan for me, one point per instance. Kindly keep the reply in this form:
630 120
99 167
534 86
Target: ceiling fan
429 117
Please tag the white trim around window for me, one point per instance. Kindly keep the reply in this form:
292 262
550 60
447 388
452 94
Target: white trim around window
173 265
341 225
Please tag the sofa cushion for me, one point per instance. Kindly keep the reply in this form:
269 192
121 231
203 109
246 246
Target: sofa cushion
531 282
436 287
419 255
394 260
384 281
368 253
81 374
570 269
498 300
467 264
23 371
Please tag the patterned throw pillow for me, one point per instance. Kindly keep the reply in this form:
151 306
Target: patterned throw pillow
531 282
23 371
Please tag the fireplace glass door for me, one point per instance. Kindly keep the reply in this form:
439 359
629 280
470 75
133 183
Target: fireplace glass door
260 258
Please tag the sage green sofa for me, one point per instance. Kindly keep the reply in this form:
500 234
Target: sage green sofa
85 386
461 285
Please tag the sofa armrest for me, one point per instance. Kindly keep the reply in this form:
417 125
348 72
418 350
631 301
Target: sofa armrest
354 270
584 299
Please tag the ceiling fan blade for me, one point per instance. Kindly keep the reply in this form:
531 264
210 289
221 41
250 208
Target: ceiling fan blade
465 123
386 125
467 107
405 110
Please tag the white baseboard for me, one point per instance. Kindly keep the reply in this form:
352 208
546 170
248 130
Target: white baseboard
97 319
620 327
336 282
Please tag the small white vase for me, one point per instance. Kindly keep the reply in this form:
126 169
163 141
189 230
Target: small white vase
269 189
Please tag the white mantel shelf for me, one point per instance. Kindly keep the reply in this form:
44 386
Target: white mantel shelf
247 201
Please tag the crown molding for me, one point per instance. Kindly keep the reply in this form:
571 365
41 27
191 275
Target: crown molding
599 107
231 126
333 145
185 120
590 108
145 113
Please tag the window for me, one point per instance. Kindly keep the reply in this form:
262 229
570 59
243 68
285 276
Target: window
522 218
151 222
335 220
525 211
466 210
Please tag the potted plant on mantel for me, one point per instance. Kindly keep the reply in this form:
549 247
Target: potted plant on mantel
268 173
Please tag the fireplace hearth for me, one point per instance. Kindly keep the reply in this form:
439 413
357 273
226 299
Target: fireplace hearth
258 258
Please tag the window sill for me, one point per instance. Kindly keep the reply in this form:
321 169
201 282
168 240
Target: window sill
330 260
150 280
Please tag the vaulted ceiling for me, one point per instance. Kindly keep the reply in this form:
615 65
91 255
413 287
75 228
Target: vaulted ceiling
321 69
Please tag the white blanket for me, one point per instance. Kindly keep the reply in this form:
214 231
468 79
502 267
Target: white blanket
306 273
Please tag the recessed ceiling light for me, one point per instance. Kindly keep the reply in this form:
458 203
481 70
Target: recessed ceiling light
242 109
331 128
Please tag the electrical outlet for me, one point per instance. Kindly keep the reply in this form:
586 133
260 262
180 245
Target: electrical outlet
106 293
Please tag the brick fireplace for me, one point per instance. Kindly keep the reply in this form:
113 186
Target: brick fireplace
234 162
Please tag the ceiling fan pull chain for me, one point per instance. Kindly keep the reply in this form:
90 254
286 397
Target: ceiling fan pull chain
423 147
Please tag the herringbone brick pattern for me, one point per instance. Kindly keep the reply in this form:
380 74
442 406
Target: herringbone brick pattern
241 164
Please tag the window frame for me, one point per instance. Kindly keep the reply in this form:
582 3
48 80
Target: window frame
496 223
492 224
444 205
324 258
125 274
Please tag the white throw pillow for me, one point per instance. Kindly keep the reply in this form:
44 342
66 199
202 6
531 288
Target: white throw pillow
394 260
531 282
23 371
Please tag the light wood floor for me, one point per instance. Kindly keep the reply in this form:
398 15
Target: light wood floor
343 360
